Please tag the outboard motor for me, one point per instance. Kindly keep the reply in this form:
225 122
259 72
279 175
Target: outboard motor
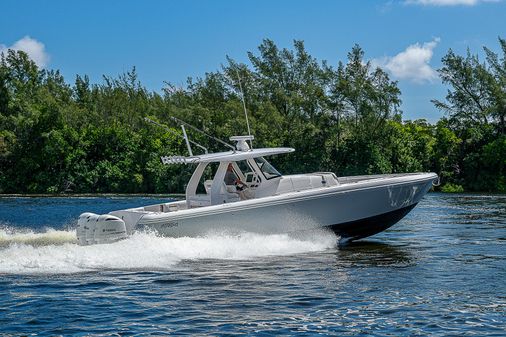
109 229
80 231
96 229
85 228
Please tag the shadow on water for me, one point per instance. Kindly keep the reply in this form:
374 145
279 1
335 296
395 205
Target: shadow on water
372 253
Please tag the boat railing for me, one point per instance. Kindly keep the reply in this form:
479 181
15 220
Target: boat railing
355 179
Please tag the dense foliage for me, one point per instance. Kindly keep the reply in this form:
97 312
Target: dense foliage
56 137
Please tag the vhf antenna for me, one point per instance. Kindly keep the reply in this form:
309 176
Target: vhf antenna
244 106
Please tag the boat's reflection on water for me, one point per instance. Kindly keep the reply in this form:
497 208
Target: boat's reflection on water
373 253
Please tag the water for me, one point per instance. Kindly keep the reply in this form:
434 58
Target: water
440 271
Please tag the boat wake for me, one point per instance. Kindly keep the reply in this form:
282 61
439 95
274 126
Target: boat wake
51 236
57 252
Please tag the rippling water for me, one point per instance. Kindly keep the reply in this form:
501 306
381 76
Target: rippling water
440 271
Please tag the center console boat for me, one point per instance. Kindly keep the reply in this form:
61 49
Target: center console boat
240 191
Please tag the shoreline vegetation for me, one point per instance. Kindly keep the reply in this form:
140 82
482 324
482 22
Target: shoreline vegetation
61 139
93 195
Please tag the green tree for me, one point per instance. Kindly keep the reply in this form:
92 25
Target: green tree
476 108
363 101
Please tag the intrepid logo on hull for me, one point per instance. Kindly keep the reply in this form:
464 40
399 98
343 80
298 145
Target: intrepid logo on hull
169 224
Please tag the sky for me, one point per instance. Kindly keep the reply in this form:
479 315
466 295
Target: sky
168 41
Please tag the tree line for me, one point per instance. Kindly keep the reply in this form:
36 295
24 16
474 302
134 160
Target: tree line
57 137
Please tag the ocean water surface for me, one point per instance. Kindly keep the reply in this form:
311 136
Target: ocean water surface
440 271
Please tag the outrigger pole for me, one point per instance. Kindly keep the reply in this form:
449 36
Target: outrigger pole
177 120
184 136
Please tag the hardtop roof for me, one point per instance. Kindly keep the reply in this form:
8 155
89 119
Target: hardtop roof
228 155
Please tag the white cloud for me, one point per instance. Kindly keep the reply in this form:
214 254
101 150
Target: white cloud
35 49
446 2
411 64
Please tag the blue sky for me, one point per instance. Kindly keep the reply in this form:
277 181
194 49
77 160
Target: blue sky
169 40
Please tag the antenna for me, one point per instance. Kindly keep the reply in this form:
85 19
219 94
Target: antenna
244 106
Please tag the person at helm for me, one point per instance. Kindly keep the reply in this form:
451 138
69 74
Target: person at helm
232 179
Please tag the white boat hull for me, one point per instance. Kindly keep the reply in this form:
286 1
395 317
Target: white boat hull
353 210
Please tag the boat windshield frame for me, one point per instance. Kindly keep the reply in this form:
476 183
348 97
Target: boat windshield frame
267 169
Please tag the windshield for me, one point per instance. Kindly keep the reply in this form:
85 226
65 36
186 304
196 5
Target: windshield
244 167
267 169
